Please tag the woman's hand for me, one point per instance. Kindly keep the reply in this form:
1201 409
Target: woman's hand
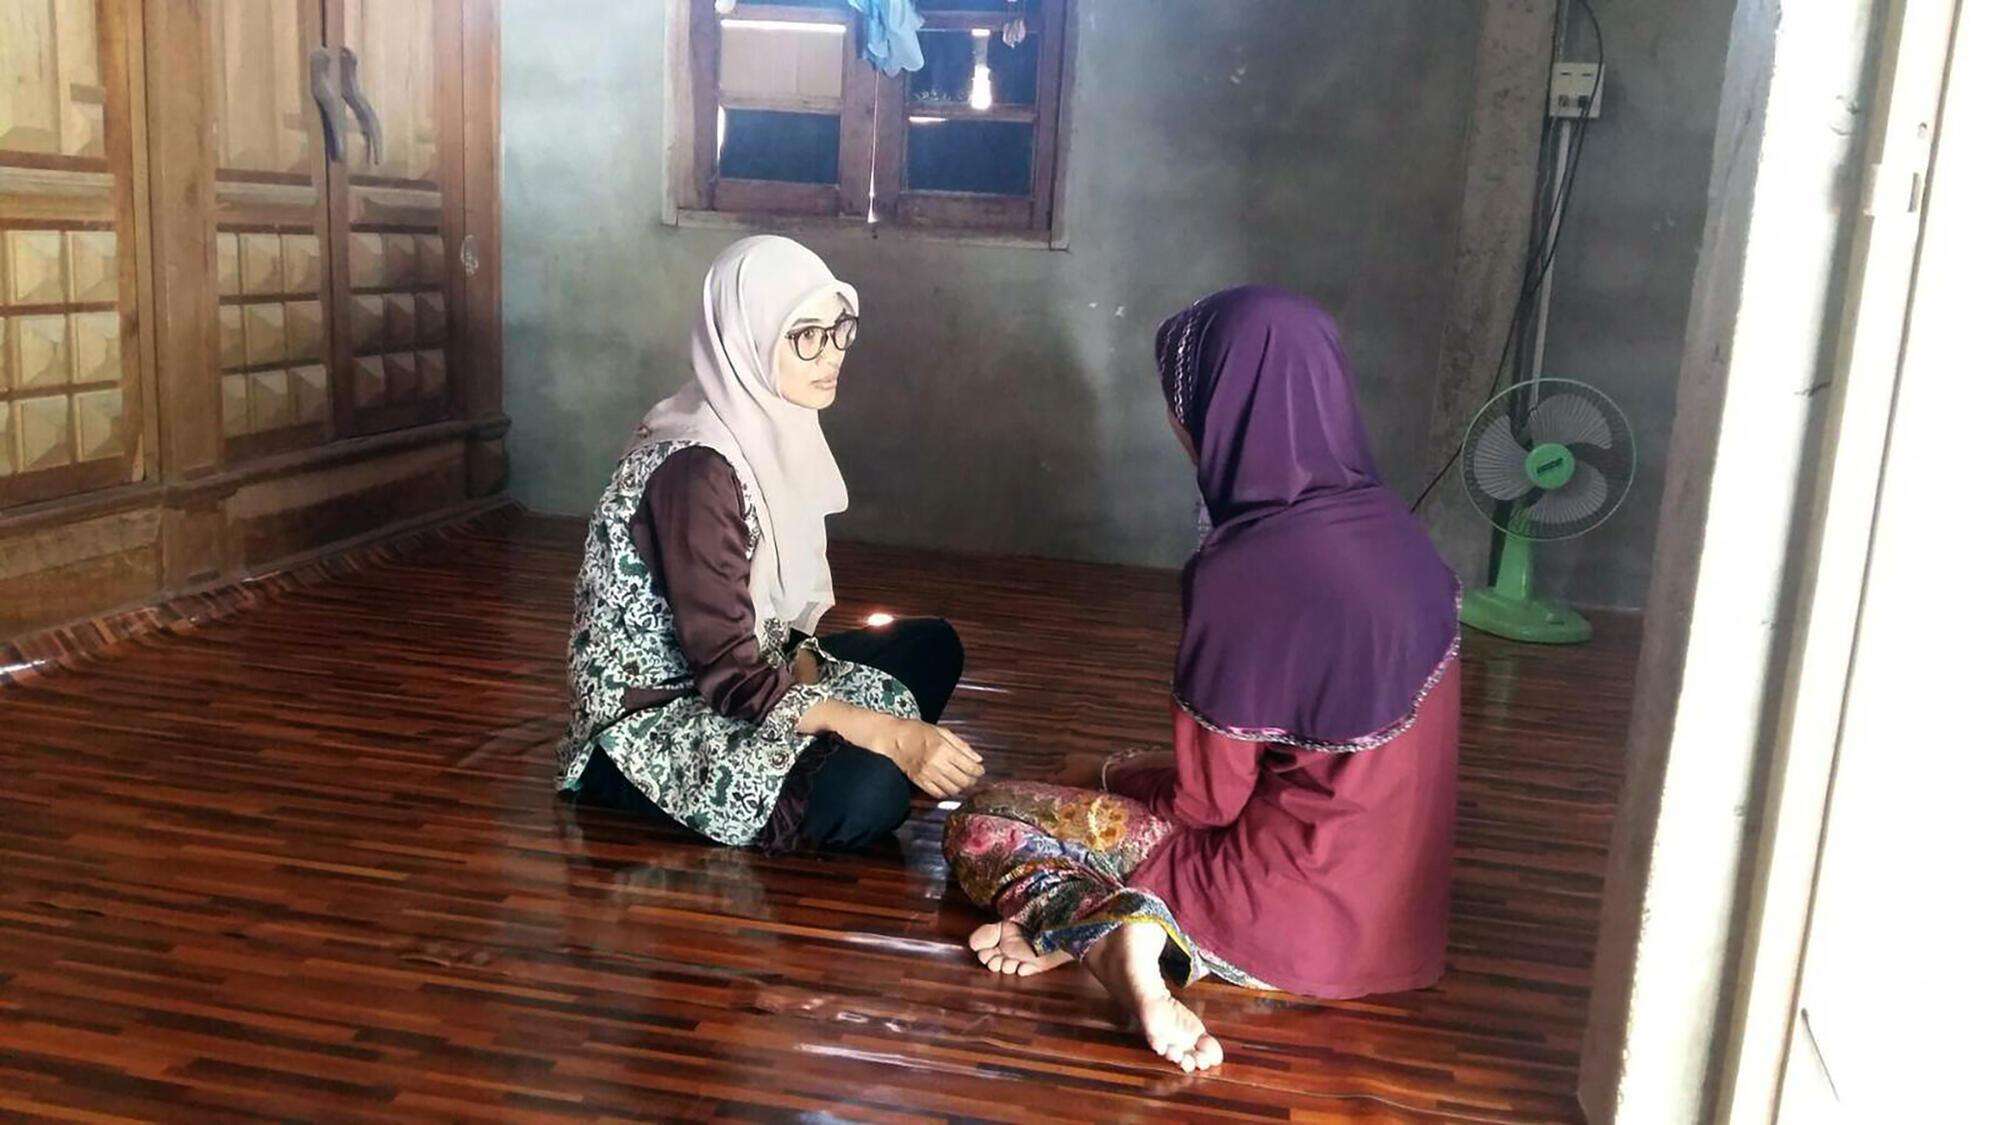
938 761
1133 762
934 759
1081 770
1144 760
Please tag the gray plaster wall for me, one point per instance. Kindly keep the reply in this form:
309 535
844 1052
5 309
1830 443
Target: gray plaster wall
1625 268
1003 399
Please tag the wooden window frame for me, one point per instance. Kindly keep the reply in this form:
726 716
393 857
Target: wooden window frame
871 186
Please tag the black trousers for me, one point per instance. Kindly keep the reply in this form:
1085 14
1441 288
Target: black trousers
856 797
923 653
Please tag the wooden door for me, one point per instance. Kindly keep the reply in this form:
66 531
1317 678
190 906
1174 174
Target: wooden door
398 213
223 341
271 226
71 407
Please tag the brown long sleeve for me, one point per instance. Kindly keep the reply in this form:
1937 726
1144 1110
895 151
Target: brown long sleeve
692 533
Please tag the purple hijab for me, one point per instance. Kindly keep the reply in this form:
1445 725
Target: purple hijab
1316 613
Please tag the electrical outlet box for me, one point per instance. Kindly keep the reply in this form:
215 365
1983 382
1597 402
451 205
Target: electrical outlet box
1576 90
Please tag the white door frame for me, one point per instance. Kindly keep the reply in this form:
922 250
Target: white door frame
1914 49
1738 550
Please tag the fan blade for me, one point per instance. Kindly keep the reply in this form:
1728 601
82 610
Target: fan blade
1575 502
1499 464
1569 419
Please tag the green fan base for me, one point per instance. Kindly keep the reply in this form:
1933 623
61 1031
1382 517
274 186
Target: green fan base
1535 620
1509 608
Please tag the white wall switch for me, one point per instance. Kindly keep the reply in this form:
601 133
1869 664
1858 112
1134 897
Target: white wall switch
1576 90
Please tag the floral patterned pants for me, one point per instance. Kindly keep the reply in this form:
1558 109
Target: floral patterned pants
1054 860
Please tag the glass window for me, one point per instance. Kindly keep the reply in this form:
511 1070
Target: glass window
950 72
759 144
992 157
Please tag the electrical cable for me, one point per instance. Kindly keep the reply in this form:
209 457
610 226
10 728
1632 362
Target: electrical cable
1542 251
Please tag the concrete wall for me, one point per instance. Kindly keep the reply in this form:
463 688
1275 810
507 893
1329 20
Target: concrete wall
1626 265
1496 215
1003 399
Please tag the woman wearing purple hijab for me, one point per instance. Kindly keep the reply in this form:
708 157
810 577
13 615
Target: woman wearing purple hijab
1300 836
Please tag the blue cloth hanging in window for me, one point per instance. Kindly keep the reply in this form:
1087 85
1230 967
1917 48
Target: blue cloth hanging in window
889 34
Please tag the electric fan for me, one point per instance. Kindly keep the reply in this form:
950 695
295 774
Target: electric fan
1545 459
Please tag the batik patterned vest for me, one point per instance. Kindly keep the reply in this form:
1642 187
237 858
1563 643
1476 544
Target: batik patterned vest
717 775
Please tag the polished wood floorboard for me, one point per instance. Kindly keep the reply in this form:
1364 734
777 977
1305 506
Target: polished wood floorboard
306 862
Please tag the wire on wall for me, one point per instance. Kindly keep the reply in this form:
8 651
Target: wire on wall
1544 237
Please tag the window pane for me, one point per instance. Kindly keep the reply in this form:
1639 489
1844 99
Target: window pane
773 65
799 148
1011 7
993 157
947 75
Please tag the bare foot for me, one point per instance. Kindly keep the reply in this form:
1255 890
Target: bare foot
1002 947
1127 961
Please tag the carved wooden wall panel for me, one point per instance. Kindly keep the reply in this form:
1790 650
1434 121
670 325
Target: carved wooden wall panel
70 401
271 203
230 325
398 207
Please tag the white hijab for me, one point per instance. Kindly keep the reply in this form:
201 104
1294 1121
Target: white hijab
733 406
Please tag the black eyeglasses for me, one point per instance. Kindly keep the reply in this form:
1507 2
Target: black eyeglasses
809 343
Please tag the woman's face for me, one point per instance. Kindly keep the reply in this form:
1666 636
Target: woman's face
811 383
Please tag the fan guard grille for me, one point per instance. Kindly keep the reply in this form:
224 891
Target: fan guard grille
1561 412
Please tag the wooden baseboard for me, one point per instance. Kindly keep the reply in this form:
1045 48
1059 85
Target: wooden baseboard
35 654
213 486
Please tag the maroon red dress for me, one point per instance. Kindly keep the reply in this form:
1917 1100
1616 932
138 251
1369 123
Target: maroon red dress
1326 874
1321 873
1303 838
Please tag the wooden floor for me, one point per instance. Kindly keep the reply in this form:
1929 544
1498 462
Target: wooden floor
307 862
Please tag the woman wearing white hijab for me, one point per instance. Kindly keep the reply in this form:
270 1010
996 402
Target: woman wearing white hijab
697 689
